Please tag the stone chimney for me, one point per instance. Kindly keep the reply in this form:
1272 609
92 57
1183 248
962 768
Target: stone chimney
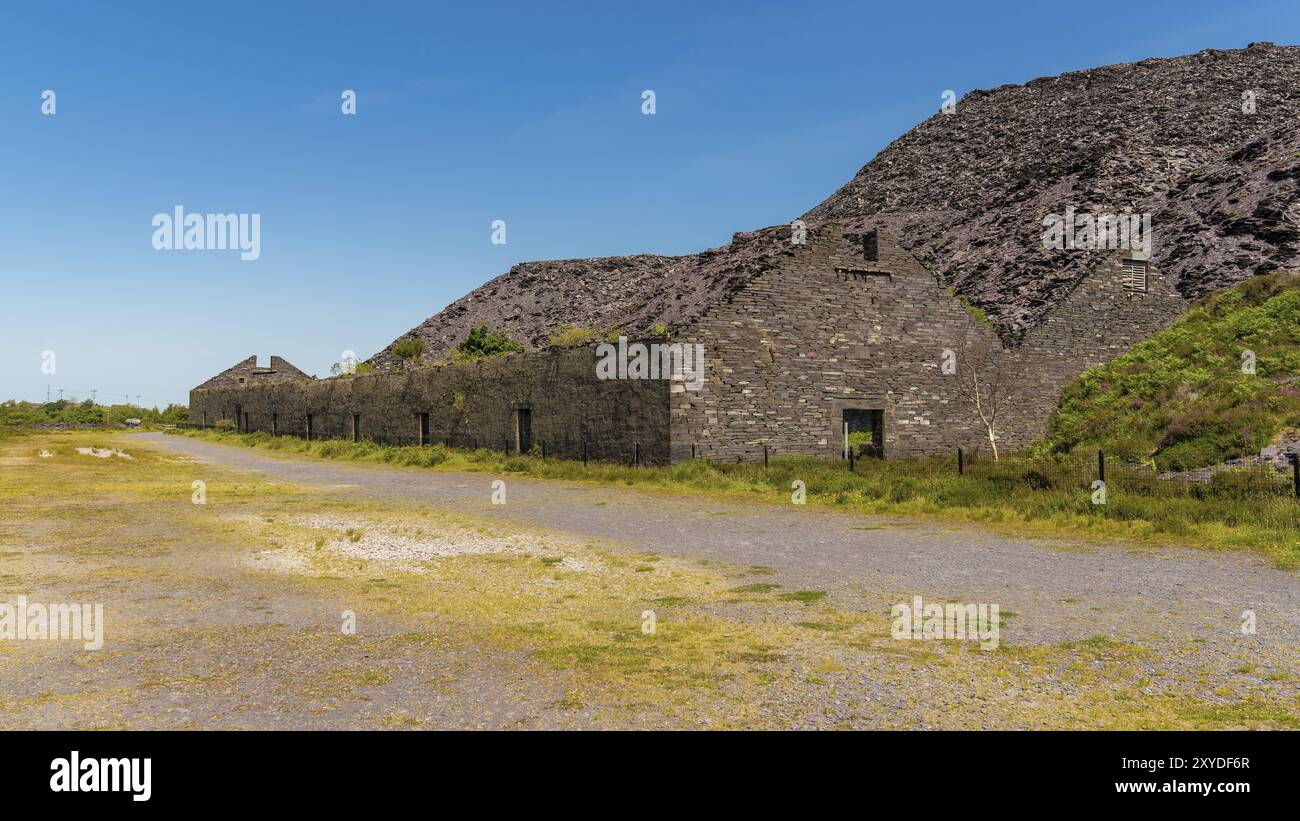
878 242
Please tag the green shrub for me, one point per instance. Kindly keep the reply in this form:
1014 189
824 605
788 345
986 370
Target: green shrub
482 343
571 336
409 348
63 412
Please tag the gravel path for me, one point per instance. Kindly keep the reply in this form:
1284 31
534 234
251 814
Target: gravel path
1057 591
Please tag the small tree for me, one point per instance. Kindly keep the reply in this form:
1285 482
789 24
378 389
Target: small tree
985 376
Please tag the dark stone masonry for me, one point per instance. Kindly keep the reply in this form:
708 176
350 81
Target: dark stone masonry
862 324
843 328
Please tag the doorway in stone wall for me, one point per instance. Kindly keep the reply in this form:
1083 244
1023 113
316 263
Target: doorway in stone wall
524 422
865 432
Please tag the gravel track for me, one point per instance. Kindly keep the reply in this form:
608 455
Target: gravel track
1059 591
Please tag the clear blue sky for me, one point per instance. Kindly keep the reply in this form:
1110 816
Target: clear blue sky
467 112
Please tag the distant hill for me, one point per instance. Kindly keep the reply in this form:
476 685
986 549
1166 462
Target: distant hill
1181 399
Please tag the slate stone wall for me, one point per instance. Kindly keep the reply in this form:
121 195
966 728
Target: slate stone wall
469 404
843 322
248 372
1097 322
853 322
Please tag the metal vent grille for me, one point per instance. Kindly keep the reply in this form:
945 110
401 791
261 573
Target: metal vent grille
1134 274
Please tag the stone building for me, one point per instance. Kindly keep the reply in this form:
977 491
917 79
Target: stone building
804 335
245 373
806 338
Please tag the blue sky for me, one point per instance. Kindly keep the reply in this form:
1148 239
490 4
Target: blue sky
466 113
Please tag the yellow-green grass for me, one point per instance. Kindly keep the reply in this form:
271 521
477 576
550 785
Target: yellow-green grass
1146 512
728 649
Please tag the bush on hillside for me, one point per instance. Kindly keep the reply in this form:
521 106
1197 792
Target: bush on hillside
482 343
1185 397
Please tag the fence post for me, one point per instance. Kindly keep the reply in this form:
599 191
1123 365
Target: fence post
852 459
1101 465
584 452
961 463
692 450
543 450
1295 473
636 454
765 456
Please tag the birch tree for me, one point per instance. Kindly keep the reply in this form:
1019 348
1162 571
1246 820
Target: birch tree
986 378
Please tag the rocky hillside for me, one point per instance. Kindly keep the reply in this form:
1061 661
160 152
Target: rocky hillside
967 192
601 294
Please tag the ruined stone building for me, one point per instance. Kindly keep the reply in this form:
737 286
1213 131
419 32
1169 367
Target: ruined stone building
929 263
840 330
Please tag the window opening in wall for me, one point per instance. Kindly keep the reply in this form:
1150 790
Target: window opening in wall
1134 274
356 427
865 432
